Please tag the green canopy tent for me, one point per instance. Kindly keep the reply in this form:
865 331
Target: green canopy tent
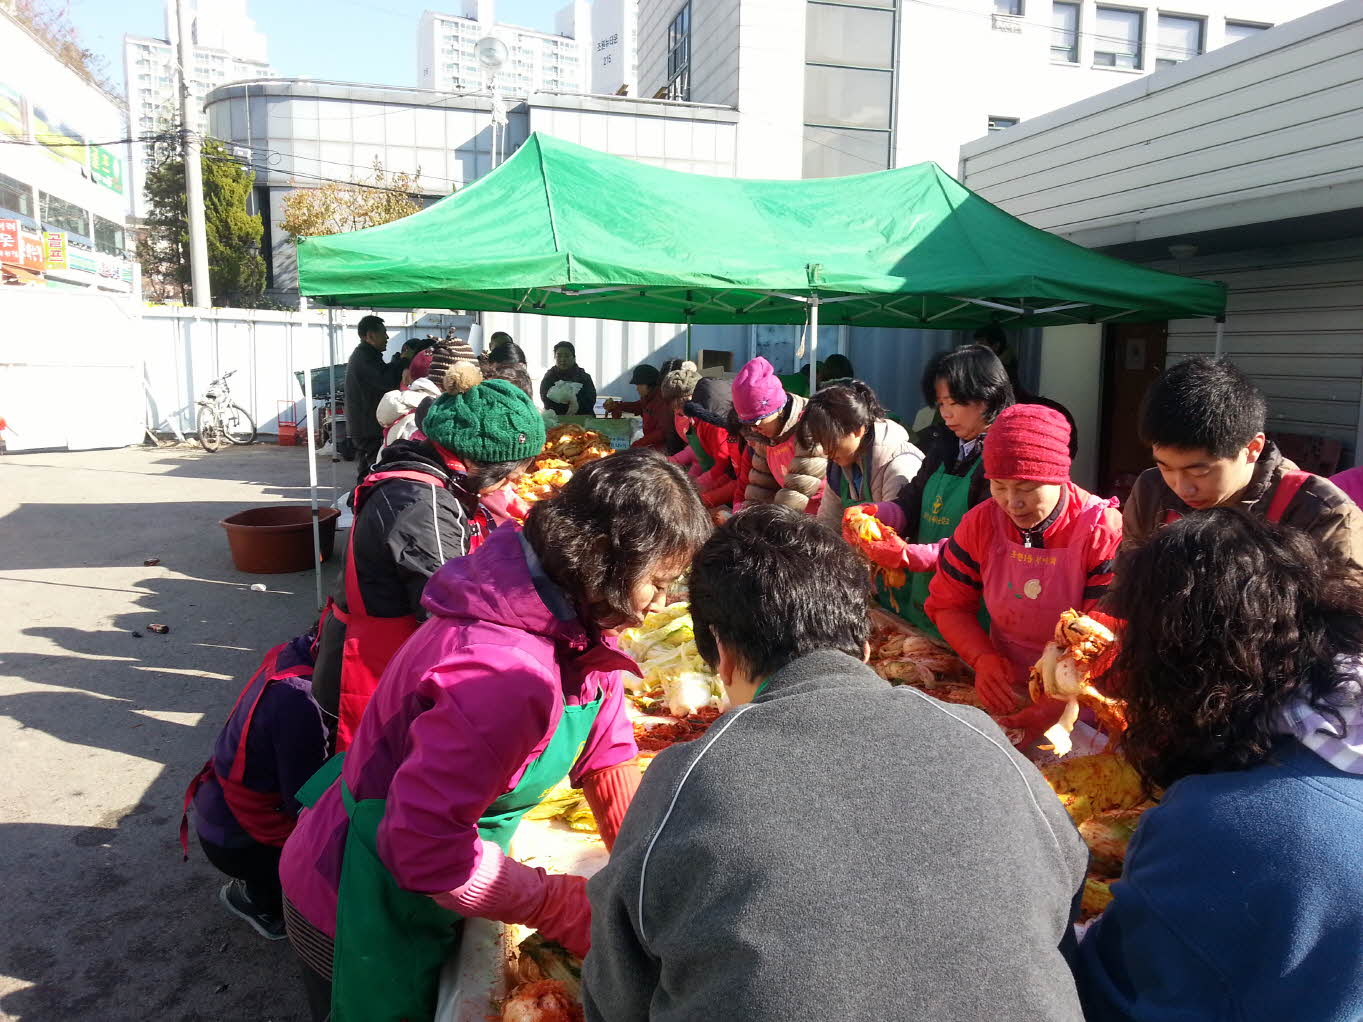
562 230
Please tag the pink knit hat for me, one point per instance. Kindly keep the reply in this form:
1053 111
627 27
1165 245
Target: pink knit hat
757 393
420 365
1030 442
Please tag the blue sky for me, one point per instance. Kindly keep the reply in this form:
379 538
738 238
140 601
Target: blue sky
347 40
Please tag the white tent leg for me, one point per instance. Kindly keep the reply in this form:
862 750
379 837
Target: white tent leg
1220 337
312 485
813 344
331 373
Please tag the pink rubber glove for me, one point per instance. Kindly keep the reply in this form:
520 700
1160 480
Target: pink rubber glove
685 458
717 476
892 514
512 892
994 684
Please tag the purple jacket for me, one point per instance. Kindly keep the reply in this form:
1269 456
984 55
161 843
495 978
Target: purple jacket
470 700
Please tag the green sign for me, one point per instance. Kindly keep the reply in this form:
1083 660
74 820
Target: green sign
106 168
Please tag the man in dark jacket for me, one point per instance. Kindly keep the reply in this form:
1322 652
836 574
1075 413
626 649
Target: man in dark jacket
833 847
1204 420
367 379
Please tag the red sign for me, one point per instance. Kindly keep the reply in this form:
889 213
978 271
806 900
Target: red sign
31 254
9 242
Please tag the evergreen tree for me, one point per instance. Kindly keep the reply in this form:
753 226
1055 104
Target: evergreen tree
235 267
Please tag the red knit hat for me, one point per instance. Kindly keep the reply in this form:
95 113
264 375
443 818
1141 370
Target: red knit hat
1030 442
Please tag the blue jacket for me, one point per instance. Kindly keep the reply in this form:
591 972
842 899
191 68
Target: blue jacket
1242 899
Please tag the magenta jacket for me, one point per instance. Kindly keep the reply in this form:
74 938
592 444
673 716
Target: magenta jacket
469 701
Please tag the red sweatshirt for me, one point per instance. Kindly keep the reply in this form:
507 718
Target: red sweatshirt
957 587
657 416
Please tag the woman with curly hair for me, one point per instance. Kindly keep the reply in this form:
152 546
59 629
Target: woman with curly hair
1242 894
511 685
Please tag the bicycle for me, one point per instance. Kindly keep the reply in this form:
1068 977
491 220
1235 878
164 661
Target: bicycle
219 419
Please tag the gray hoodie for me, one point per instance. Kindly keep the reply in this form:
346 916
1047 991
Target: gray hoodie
838 850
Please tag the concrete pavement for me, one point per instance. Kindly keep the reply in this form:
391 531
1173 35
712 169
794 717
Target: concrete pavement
102 731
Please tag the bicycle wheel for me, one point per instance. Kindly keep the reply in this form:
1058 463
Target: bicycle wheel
238 426
210 429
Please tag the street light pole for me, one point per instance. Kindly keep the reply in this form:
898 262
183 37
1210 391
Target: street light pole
194 182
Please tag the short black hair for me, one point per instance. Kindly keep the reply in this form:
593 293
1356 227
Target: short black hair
1235 618
838 367
775 585
1203 404
367 324
836 411
972 373
565 344
993 336
615 520
499 337
506 352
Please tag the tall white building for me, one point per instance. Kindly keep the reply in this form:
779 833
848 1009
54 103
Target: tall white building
615 48
832 87
539 61
227 48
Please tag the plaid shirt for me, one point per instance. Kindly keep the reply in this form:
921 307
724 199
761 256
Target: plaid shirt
1319 733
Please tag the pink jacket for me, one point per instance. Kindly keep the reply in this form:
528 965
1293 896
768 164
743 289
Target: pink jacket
469 701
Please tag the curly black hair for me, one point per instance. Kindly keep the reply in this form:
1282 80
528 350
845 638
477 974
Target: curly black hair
1230 619
616 519
775 585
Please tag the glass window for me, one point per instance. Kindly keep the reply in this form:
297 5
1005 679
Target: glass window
60 215
1179 39
1237 30
837 153
1117 41
15 196
1065 32
999 123
108 237
679 55
849 35
1011 7
847 96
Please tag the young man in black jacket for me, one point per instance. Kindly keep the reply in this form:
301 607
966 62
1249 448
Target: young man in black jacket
833 847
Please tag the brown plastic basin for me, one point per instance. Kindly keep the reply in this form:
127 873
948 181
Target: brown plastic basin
273 540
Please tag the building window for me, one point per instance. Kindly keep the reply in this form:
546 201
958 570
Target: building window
108 237
1065 32
16 197
1013 8
1179 39
60 215
679 55
999 123
849 36
1117 41
1237 30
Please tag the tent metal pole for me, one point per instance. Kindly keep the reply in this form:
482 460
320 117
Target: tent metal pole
688 339
1220 337
312 485
813 344
331 375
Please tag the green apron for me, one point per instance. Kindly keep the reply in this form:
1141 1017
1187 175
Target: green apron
390 943
946 499
706 462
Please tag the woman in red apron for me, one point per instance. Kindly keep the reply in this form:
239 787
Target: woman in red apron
418 510
1041 546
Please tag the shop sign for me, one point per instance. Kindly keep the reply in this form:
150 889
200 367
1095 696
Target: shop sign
106 168
54 250
9 241
84 261
19 247
30 251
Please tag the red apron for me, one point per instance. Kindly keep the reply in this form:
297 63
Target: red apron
1026 589
259 812
370 642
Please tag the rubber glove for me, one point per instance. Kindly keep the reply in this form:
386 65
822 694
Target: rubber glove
1034 720
512 892
890 513
994 676
717 476
609 793
685 458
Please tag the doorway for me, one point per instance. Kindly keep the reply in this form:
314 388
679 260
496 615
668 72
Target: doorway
1133 357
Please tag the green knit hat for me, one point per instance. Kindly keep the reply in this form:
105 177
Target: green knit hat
490 422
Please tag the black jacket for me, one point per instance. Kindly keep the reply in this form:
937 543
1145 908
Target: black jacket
367 378
586 397
838 849
404 532
940 447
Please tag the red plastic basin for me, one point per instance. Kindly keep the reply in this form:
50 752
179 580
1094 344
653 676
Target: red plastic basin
274 540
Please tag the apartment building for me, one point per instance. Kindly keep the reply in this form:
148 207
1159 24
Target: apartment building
447 58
